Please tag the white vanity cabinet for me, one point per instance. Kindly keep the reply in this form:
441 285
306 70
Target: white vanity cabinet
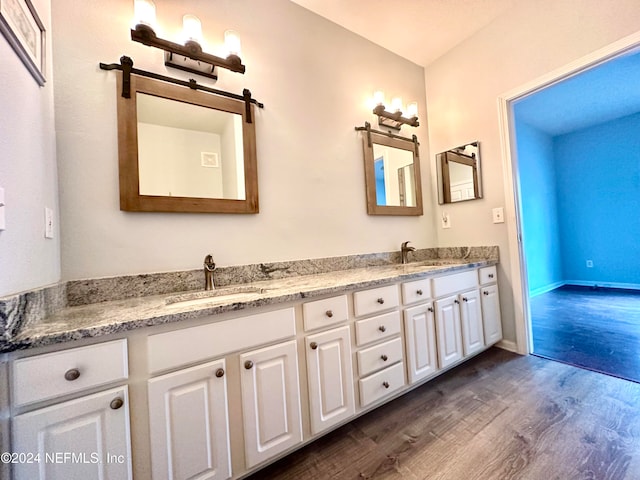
189 424
270 401
472 325
449 331
85 437
490 305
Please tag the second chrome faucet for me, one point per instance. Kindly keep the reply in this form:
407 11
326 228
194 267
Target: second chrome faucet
404 252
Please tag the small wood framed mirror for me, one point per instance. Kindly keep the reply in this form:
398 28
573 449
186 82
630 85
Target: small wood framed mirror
392 175
459 176
182 150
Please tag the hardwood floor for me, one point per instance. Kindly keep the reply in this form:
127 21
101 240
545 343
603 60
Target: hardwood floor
498 416
596 329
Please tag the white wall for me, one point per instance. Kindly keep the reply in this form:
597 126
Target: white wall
27 171
314 79
530 40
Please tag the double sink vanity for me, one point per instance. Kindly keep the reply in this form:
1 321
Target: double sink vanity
217 384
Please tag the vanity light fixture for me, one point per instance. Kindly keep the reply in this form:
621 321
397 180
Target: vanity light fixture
395 119
188 57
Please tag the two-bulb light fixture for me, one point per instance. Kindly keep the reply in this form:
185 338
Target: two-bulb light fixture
189 56
399 114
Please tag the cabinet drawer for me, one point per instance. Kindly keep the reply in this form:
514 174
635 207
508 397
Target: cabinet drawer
488 275
323 313
416 291
381 384
195 344
379 356
60 373
377 328
454 283
375 300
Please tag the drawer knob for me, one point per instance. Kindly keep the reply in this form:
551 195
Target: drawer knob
329 313
313 345
381 300
456 301
485 293
382 328
116 403
220 373
465 299
72 374
430 309
248 364
384 357
419 292
385 384
490 275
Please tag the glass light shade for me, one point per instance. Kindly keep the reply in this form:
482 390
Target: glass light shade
144 12
396 104
412 110
191 28
378 97
232 43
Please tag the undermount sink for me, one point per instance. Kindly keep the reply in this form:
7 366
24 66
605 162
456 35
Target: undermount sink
213 296
427 265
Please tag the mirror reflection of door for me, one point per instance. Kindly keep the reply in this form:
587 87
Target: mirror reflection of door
394 176
459 174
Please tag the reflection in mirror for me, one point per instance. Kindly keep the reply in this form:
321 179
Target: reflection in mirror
392 175
182 150
459 174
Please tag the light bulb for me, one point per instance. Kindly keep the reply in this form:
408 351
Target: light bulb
412 110
232 43
378 97
144 12
191 28
396 104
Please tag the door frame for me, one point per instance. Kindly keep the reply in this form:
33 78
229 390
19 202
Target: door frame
511 178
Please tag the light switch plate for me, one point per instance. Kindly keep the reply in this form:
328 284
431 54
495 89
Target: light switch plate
446 220
498 215
3 224
48 222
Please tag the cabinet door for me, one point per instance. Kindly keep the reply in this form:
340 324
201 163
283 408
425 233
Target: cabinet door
86 438
270 401
330 376
491 315
420 333
448 330
189 424
471 316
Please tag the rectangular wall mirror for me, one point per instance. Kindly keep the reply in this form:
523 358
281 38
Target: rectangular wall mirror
459 174
392 175
182 150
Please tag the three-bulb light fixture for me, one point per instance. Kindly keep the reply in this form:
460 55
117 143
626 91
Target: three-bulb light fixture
189 56
398 116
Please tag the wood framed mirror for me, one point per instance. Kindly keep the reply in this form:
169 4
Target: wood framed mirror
392 175
459 177
182 150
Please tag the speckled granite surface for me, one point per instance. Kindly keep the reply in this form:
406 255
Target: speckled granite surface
93 308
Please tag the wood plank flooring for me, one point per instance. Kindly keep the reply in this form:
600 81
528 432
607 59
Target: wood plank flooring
596 329
498 416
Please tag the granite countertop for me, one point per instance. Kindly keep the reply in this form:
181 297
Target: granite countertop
108 317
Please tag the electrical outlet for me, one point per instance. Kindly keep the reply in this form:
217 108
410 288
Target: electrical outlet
446 220
589 263
498 215
48 222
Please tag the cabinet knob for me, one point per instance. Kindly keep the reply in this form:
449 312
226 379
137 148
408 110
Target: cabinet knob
490 275
116 403
248 364
382 328
72 374
465 299
329 313
419 292
381 300
313 345
385 384
430 309
384 357
220 373
485 293
456 301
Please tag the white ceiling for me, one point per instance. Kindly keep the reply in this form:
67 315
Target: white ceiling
418 30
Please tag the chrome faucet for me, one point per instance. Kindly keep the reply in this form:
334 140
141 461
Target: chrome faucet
209 267
404 251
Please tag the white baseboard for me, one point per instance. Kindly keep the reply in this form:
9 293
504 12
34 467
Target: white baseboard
546 288
582 283
508 345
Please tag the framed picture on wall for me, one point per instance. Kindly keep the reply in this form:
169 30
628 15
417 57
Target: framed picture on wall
23 29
